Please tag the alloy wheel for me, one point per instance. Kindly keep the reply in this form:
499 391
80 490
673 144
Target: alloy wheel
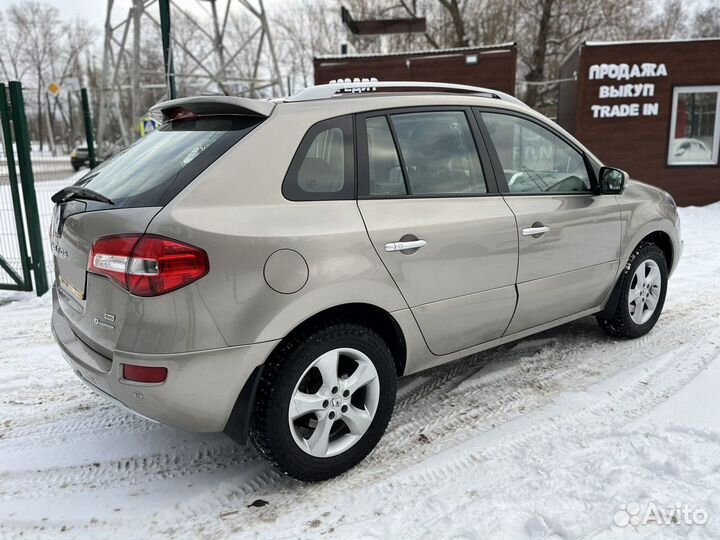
644 293
334 402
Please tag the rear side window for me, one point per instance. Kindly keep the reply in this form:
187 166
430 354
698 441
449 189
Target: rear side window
323 166
157 167
439 153
423 154
385 173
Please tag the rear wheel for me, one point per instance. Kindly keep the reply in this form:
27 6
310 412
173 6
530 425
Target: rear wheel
642 294
324 401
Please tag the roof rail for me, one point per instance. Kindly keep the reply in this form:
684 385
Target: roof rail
326 91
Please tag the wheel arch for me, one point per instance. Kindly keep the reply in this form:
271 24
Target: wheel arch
659 238
662 240
370 315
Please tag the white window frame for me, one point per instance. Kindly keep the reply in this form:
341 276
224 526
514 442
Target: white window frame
716 132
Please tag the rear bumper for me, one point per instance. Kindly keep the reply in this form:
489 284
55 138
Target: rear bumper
199 393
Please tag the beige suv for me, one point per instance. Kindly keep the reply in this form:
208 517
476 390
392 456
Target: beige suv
272 267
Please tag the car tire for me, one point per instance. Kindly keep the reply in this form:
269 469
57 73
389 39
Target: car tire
633 316
299 402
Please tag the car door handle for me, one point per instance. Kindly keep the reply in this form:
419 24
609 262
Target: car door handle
535 230
404 246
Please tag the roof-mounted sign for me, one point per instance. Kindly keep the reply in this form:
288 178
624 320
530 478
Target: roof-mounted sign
366 84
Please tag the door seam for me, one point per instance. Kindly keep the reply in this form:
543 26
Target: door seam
367 232
517 265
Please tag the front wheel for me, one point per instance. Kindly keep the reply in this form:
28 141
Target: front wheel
324 401
642 294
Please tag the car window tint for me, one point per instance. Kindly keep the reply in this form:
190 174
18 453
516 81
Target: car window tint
323 167
439 153
161 162
534 159
385 174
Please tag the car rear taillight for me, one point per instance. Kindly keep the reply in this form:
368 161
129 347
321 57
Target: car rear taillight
147 265
144 374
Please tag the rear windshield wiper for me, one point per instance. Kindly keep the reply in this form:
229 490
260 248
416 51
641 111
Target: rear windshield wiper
79 192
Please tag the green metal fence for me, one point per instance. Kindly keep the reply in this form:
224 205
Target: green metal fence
58 154
29 175
14 260
33 166
32 217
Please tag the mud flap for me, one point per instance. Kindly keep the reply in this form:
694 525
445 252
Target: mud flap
239 422
611 304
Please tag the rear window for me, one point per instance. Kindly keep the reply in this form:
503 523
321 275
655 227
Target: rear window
157 167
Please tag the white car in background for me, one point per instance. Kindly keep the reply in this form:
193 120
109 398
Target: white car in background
687 149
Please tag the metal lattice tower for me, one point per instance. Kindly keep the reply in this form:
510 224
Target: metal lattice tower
127 90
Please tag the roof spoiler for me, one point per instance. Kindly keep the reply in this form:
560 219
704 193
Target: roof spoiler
213 105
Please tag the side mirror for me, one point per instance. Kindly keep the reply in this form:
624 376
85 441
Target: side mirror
612 180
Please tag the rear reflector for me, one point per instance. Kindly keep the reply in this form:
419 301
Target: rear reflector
144 374
147 265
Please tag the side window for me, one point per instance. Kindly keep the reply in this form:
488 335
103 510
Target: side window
323 164
385 174
534 159
438 153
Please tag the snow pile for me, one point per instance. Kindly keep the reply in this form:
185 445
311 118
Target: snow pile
569 434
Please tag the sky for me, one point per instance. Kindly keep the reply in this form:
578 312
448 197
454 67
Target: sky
94 10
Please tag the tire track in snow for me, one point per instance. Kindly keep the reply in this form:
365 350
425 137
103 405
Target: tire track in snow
386 461
629 400
105 420
499 412
206 456
444 378
521 384
220 455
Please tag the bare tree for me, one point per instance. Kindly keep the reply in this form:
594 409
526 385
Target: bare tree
538 56
411 8
455 12
706 22
37 47
12 43
41 28
666 23
304 30
310 28
549 29
65 64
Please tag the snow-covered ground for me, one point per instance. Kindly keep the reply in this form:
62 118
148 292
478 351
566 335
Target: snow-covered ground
559 436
